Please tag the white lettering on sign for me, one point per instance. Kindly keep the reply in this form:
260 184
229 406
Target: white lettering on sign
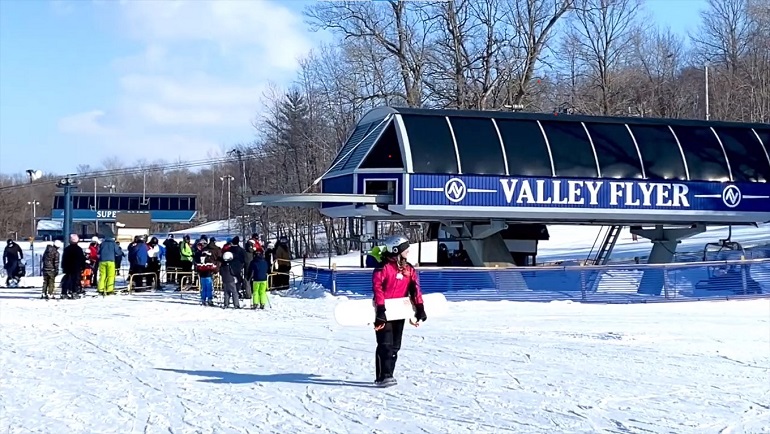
576 192
106 214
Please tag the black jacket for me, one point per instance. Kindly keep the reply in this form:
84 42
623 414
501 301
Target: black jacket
73 260
173 252
12 254
239 258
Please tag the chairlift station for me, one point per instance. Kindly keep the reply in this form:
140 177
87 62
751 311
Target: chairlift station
486 176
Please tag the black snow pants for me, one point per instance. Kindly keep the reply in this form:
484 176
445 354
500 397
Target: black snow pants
388 344
70 284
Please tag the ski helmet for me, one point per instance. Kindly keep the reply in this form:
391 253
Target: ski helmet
57 244
228 256
396 244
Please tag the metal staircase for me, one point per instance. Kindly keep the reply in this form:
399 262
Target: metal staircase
602 255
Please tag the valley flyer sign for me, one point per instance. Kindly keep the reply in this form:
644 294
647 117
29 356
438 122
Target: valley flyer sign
495 191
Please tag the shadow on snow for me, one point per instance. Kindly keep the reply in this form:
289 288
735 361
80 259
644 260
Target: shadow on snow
222 377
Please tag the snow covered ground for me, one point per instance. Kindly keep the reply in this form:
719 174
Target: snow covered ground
158 363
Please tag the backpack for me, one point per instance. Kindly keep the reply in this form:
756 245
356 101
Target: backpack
21 270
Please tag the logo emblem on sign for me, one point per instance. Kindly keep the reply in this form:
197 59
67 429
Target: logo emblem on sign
455 190
731 196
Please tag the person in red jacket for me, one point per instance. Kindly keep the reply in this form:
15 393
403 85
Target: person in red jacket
394 278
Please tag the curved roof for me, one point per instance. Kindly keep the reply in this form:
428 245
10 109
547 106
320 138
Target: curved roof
541 145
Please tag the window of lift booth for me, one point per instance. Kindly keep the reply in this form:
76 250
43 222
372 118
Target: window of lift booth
524 148
764 137
386 153
705 158
572 153
360 151
660 152
344 153
433 150
380 186
615 150
745 153
58 202
478 145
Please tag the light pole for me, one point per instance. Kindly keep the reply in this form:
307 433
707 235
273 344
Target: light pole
34 175
34 205
67 184
111 187
229 178
706 71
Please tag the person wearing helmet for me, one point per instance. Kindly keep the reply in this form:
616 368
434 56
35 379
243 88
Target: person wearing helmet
374 257
394 278
50 266
229 281
206 266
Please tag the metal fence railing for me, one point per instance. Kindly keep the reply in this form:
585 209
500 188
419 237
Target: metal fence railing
610 283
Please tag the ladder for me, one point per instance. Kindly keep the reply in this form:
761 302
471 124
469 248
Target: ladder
602 256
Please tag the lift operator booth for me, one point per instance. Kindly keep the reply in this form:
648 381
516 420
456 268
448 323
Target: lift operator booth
475 174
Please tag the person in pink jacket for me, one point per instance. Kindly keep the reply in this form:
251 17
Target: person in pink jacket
394 278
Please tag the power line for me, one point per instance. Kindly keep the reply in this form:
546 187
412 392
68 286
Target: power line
143 169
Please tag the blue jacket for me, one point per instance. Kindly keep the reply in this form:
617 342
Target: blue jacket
258 270
109 251
137 254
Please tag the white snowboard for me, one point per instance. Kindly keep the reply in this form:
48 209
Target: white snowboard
361 312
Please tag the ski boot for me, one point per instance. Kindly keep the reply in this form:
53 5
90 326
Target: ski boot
386 382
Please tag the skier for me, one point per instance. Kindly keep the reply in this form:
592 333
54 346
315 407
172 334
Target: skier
73 262
50 266
12 256
394 278
108 254
173 259
374 257
153 262
258 276
238 265
185 258
206 266
230 280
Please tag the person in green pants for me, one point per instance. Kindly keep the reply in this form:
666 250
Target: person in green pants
258 275
108 253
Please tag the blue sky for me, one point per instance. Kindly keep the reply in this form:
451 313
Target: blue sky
83 81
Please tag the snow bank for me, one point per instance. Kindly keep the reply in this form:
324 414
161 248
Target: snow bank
308 290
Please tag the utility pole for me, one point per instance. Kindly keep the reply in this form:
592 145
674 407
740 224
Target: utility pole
228 178
244 195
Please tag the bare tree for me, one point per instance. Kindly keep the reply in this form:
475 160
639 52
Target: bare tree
400 28
602 32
